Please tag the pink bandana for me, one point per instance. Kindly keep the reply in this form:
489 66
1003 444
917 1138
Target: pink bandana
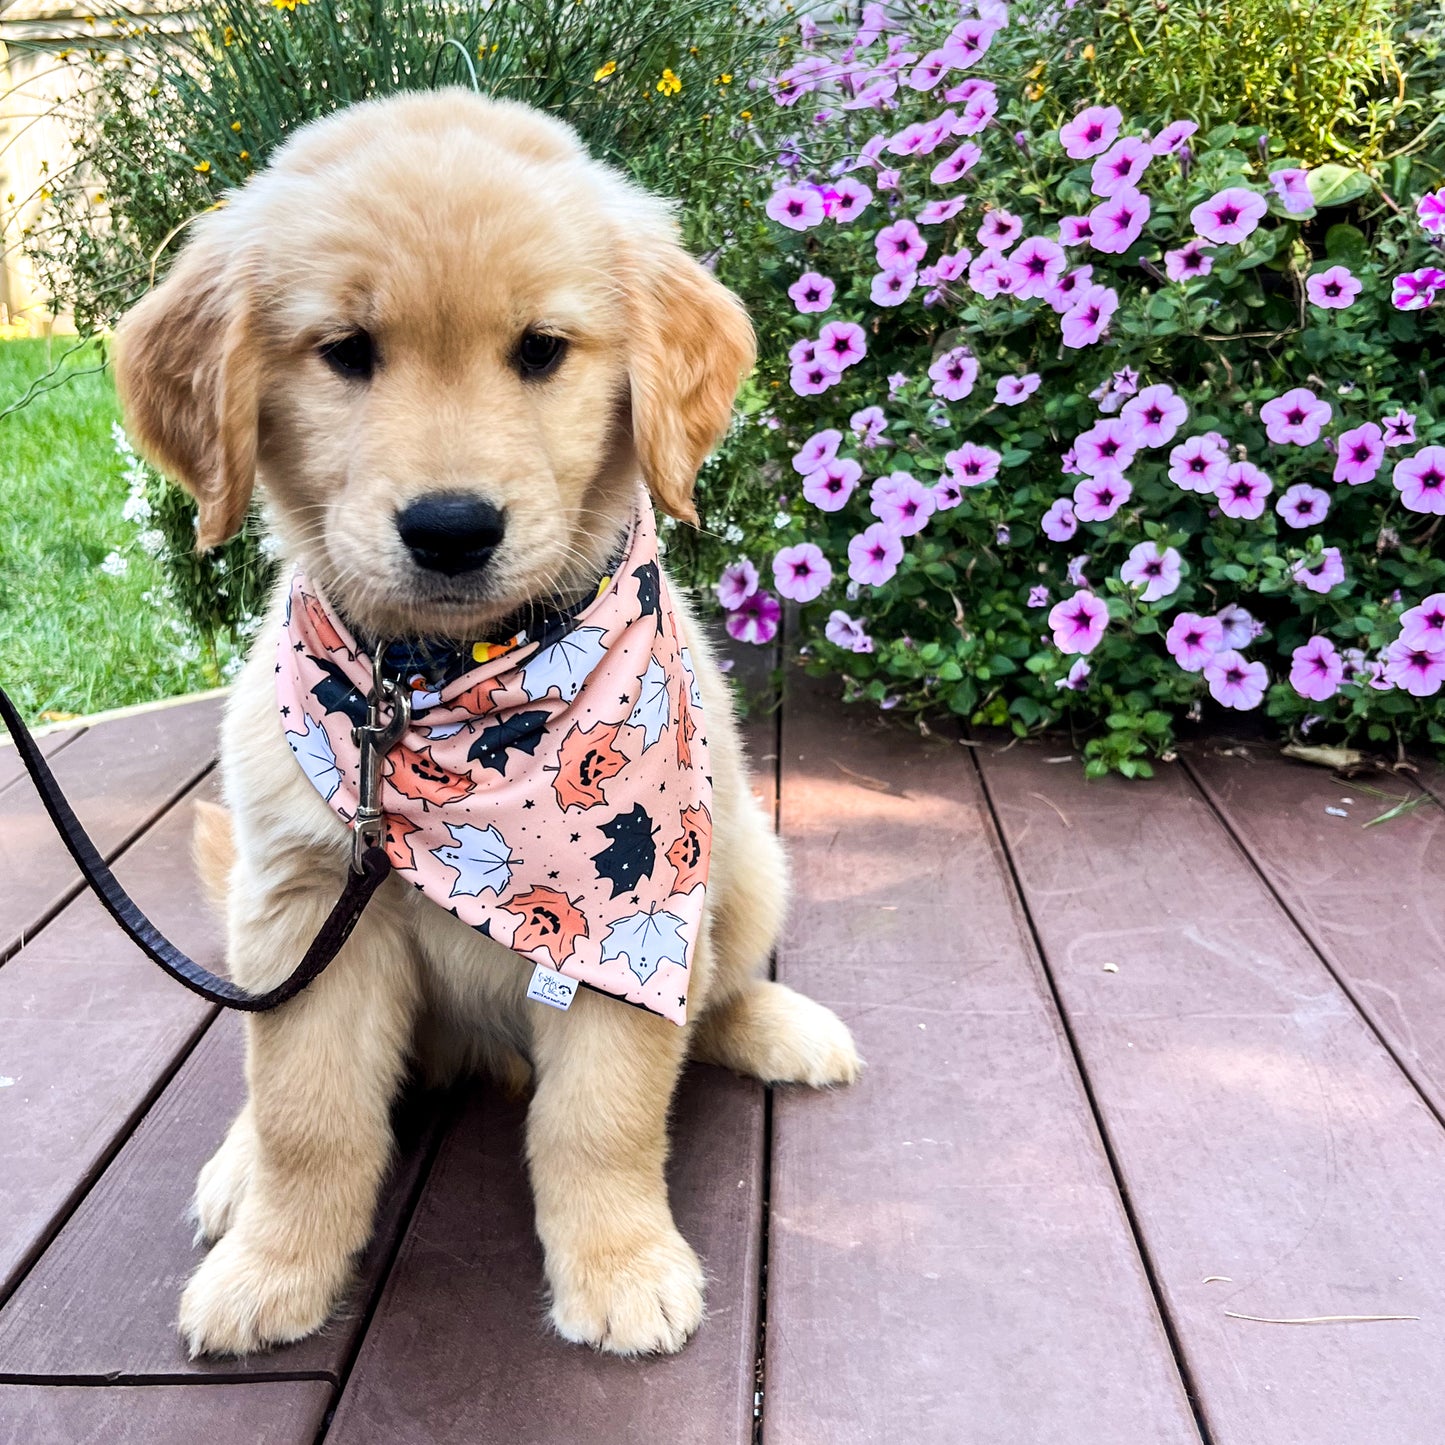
555 797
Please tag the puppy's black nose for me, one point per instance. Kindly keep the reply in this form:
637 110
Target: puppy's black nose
450 532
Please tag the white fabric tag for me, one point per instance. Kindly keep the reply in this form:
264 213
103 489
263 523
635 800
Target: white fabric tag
554 989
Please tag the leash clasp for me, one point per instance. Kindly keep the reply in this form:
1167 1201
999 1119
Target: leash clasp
375 739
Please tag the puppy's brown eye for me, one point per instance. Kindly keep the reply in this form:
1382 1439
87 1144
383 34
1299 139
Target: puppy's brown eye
352 356
539 354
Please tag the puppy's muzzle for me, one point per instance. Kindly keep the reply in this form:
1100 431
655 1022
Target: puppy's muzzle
451 532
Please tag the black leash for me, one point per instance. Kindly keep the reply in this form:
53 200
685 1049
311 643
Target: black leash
369 865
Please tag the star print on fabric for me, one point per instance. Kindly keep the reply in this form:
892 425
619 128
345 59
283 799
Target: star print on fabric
285 712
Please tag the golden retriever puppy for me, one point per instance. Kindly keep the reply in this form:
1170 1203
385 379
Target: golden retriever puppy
422 297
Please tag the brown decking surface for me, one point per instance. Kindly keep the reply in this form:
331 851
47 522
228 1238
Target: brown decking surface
1142 1059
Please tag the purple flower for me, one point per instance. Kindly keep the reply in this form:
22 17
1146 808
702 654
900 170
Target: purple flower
1316 669
846 632
1295 418
902 502
1156 415
1078 622
1125 381
1152 568
968 40
1361 450
951 265
1108 446
1091 131
1192 640
1076 570
1014 390
852 197
956 165
817 451
971 464
899 246
738 582
947 493
868 425
801 572
803 352
929 71
1399 429
1038 596
1420 480
812 292
1420 670
999 229
812 378
756 620
1293 189
1120 167
1415 290
954 374
796 207
874 555
1085 320
1234 682
978 110
832 484
1069 288
990 274
1198 465
936 212
1228 216
1115 224
1075 230
1424 625
1327 573
1096 499
1172 137
1333 290
909 141
1037 265
1059 522
1188 262
1075 680
1431 211
1303 505
1242 490
1239 627
887 180
892 288
841 344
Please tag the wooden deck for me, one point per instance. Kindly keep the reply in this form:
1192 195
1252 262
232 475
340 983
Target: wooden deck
1152 1068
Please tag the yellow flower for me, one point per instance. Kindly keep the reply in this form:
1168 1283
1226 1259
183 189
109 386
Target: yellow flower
725 78
204 168
1088 52
746 114
288 4
1034 91
669 84
236 126
245 155
228 35
603 71
46 193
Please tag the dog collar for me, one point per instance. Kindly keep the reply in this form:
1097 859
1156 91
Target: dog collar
553 793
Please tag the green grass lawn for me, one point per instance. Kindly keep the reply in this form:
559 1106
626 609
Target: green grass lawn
74 639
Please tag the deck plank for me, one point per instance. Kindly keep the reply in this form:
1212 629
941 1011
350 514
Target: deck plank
1368 898
101 1301
1263 1133
949 1260
119 776
12 769
289 1413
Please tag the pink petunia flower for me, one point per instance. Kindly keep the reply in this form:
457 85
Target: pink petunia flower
1078 622
1240 627
1242 490
892 288
1323 575
978 110
899 247
874 555
1303 505
841 344
801 572
1192 640
1075 570
902 502
1333 290
991 275
1153 568
1172 137
1120 167
1228 216
956 165
1075 679
868 426
971 464
947 493
797 207
738 582
756 620
954 374
1430 209
853 197
1198 465
812 292
1424 624
929 71
909 141
1234 682
967 42
1037 265
1108 446
1399 429
1125 382
1039 596
1096 499
1415 290
1069 288
1316 669
1361 450
1296 418
936 212
1091 131
817 451
1188 262
887 180
832 484
847 632
1420 480
1419 670
812 379
1075 230
999 230
1085 320
1292 186
1015 390
1059 522
1156 414
1115 224
803 352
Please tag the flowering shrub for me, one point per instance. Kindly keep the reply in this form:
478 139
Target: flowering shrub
1073 414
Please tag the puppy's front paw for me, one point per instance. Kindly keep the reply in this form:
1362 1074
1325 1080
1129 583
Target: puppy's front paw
781 1037
242 1300
643 1301
222 1184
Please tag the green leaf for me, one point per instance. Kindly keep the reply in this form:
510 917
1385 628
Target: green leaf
1334 185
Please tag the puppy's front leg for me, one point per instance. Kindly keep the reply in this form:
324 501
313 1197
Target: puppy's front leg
323 1070
622 1277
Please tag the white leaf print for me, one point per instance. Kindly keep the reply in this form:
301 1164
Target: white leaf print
565 665
481 857
694 692
646 940
317 757
654 708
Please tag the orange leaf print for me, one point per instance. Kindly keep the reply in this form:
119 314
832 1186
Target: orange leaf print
398 830
414 773
686 732
689 854
477 699
584 762
551 923
320 623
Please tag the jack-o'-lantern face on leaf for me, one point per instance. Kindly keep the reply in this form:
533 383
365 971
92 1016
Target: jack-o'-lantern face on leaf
398 849
689 853
584 762
551 923
414 773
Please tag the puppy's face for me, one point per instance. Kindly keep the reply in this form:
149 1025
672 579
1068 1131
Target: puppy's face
448 343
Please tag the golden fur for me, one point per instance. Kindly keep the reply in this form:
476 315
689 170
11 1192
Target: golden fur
446 225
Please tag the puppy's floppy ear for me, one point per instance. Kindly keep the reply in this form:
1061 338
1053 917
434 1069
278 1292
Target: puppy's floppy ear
188 372
691 346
